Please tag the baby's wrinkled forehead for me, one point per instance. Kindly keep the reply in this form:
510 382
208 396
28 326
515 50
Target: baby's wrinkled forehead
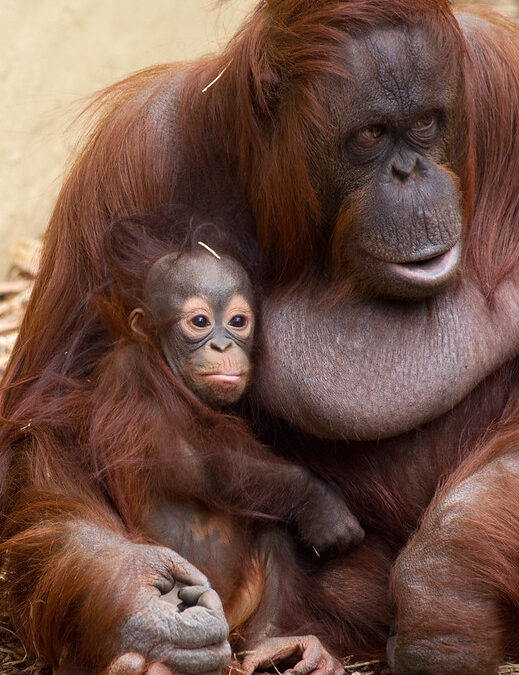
173 279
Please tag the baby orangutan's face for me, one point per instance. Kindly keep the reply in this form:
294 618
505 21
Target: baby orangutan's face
202 308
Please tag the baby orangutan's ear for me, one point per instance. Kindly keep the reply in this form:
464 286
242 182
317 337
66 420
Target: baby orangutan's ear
135 322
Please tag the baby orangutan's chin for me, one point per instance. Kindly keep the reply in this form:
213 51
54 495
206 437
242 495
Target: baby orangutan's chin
220 389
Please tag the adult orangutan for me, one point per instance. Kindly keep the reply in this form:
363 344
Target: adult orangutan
370 148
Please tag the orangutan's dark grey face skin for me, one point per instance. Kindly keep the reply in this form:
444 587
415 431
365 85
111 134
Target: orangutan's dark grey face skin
392 190
416 339
202 307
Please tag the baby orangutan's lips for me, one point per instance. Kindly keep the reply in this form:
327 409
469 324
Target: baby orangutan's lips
224 378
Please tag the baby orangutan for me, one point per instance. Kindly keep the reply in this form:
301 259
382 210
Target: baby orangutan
214 494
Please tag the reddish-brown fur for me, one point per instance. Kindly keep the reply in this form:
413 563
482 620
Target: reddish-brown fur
134 162
234 492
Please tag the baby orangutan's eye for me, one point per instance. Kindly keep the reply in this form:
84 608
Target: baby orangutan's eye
200 321
238 321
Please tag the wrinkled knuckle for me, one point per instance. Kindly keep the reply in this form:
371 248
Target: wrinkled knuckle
226 653
220 631
169 557
178 566
221 658
213 595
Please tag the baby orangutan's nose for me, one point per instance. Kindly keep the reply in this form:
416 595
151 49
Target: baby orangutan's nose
220 343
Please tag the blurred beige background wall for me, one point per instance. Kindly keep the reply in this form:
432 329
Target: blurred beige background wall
57 52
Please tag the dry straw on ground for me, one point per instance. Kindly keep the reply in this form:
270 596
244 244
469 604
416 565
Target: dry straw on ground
14 293
14 660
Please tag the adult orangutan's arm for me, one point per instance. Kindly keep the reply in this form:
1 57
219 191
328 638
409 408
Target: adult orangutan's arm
82 591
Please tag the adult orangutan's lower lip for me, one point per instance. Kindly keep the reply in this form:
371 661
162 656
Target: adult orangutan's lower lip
429 271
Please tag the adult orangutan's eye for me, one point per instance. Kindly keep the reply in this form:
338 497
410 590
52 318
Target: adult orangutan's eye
200 321
424 130
423 123
369 136
238 321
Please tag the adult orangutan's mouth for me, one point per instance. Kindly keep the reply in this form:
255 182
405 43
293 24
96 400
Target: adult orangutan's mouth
413 279
430 271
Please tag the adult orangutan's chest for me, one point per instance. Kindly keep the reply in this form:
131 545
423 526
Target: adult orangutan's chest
373 369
